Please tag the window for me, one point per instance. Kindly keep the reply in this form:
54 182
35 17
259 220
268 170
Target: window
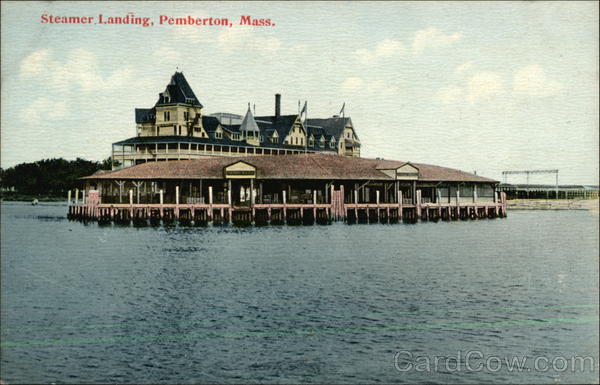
311 142
273 139
322 142
179 130
186 115
167 116
332 143
218 135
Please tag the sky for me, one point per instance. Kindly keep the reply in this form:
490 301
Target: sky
479 86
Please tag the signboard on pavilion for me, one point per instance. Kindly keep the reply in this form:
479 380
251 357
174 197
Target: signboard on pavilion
240 170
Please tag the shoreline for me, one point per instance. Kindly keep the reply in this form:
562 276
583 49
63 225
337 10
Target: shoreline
554 204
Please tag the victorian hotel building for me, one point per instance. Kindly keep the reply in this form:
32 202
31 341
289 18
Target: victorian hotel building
222 167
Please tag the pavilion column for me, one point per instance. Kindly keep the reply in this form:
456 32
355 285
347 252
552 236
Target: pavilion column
229 202
210 202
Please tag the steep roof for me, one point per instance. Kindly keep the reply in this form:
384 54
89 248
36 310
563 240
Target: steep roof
282 124
249 124
329 126
300 166
210 123
179 92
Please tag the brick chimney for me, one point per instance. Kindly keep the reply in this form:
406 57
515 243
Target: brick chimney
277 105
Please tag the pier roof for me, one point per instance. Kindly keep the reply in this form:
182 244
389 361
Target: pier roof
297 166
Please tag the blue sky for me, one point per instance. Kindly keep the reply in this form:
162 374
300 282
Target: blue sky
476 86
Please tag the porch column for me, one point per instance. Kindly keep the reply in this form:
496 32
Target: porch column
414 191
474 193
252 192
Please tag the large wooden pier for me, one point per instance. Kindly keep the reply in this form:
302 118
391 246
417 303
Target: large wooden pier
305 188
284 213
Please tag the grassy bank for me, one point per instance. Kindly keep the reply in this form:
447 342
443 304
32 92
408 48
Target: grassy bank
13 196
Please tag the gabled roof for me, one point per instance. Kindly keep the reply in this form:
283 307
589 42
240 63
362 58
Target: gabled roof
249 124
329 126
210 123
179 92
282 124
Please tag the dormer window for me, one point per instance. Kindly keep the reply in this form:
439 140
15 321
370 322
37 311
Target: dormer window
332 143
311 142
218 135
322 142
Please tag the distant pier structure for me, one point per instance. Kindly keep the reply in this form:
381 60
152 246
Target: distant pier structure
544 191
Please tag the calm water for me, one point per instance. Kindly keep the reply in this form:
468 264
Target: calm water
89 303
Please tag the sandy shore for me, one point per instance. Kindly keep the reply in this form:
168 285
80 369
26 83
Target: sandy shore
553 204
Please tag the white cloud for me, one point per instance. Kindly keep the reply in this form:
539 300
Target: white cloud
246 37
352 84
450 95
35 62
532 81
78 70
433 38
383 49
465 67
43 109
423 39
377 86
483 86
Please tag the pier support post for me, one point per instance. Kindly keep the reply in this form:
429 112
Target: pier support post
82 197
210 202
177 202
130 204
418 203
438 198
69 197
229 193
284 206
458 202
315 206
161 204
76 196
400 208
